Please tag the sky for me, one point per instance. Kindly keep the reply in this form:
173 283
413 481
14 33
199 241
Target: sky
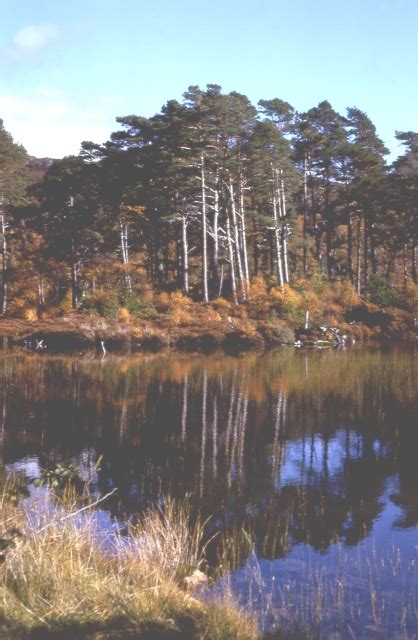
68 69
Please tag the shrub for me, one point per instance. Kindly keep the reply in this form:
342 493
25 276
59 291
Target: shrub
293 305
102 303
260 299
381 292
410 296
31 314
222 306
162 302
124 315
278 331
347 296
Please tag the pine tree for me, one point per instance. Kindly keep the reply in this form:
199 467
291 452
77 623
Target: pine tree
365 171
13 182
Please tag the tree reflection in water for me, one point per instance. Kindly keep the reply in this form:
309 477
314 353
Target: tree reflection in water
305 450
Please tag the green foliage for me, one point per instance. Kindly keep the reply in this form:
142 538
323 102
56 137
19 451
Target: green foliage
137 308
309 192
381 292
281 332
13 173
102 303
59 477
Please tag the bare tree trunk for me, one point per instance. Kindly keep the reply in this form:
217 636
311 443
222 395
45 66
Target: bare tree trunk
221 281
317 228
204 233
74 278
405 265
244 238
414 260
237 240
256 252
124 247
366 249
185 255
329 230
283 234
305 216
329 243
215 256
359 255
231 260
5 262
350 247
41 291
278 243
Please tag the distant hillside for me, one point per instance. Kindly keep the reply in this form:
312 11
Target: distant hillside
38 167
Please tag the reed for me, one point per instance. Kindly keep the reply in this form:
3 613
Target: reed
63 578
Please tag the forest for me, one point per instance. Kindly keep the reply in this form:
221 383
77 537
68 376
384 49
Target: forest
254 211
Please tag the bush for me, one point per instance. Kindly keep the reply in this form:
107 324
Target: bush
381 292
410 296
102 303
293 304
277 331
347 296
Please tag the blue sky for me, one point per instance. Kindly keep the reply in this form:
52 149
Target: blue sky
67 69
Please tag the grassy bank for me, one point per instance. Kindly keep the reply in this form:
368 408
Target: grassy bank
57 580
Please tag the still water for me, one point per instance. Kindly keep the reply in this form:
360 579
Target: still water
314 454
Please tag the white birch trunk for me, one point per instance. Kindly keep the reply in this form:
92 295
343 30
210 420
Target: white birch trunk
5 261
216 213
124 246
278 243
283 215
244 239
237 240
185 248
221 280
204 233
231 260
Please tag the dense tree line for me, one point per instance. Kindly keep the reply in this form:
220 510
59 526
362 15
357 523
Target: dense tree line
204 196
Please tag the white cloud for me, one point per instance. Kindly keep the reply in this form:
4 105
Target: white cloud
34 37
49 124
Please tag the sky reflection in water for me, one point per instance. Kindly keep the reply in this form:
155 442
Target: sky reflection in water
314 453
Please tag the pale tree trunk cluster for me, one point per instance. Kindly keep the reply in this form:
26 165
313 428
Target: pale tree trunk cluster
281 229
224 221
5 258
124 249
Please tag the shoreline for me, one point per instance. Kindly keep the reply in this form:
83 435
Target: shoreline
75 334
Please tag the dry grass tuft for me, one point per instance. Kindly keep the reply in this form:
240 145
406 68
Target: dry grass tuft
61 577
